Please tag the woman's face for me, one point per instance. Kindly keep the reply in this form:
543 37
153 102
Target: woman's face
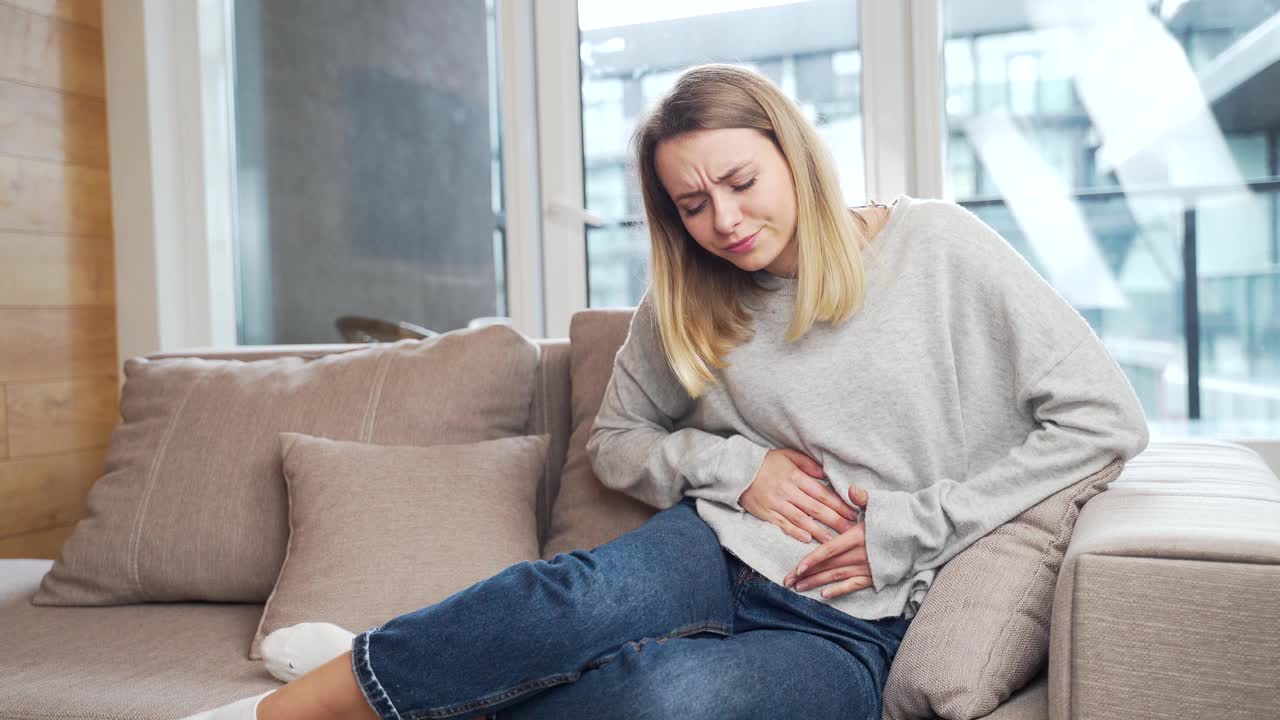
732 188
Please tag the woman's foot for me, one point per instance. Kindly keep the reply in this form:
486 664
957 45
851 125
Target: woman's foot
291 652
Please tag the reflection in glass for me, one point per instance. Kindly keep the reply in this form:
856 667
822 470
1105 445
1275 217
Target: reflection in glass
367 165
1102 139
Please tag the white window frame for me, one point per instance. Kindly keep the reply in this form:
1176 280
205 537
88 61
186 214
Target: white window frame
168 85
169 141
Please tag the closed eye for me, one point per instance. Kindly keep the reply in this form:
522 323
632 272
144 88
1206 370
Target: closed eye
689 212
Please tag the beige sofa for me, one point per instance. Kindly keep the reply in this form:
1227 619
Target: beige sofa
1167 604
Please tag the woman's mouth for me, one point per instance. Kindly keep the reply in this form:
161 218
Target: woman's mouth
745 245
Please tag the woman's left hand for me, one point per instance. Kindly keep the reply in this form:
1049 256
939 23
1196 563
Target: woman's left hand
842 559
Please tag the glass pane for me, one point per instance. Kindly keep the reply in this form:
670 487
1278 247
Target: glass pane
368 167
631 55
1102 139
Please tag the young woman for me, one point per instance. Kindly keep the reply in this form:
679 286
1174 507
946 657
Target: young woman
825 404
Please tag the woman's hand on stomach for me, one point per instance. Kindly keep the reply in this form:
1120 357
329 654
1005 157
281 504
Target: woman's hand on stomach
842 561
786 493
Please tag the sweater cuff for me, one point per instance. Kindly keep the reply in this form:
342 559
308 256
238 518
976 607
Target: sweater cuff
891 543
740 460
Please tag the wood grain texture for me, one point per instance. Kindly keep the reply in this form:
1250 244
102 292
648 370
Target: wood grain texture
56 270
40 50
41 343
44 492
80 12
4 431
42 124
39 196
61 415
43 544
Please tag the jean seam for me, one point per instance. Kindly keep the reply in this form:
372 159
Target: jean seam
551 680
744 576
370 686
492 699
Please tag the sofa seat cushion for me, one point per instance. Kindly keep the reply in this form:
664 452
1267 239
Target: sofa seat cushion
1029 703
133 662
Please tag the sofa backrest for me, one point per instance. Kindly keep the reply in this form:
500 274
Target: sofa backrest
550 412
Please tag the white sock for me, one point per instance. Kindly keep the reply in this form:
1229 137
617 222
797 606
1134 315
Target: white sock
294 651
242 709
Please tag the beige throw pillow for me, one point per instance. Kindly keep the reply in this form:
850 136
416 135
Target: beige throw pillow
982 632
585 513
192 505
378 531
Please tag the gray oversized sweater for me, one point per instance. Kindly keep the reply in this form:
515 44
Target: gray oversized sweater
963 392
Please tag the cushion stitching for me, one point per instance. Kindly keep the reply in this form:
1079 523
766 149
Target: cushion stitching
375 396
259 635
152 472
545 490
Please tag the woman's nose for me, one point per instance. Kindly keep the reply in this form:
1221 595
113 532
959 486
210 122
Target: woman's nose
727 216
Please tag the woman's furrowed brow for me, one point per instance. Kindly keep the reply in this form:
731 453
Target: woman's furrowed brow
732 171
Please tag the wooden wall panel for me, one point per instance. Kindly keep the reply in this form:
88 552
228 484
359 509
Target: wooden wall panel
58 377
40 196
46 343
45 51
42 544
56 270
61 415
81 12
42 124
43 492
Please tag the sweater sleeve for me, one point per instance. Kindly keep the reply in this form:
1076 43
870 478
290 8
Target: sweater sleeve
1082 411
635 446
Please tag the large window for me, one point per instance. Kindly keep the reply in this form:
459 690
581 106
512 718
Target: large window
368 180
1129 151
631 54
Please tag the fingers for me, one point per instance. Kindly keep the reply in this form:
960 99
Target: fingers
848 572
858 496
827 506
789 528
847 586
855 558
847 541
809 515
800 519
804 462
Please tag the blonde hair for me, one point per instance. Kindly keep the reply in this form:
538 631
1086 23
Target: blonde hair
697 296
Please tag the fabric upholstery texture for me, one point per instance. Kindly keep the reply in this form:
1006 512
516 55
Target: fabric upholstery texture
551 414
585 513
377 531
1165 603
1171 570
156 661
192 504
990 607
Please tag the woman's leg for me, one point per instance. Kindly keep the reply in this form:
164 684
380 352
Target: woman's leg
789 656
765 674
329 691
536 625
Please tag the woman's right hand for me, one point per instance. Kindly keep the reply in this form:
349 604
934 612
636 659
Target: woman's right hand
785 493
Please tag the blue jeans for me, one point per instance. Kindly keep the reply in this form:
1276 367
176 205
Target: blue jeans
659 623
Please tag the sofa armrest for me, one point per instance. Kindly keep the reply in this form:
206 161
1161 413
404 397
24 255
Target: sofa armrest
1167 602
